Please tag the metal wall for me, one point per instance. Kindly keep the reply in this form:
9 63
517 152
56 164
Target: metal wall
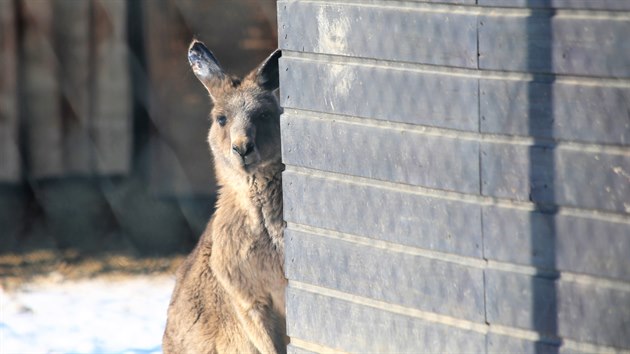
458 175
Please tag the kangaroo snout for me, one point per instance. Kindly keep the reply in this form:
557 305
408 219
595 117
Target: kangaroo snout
243 148
243 141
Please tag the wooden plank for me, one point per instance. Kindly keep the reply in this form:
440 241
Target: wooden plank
111 127
40 91
354 327
9 150
422 283
11 198
428 98
411 35
564 307
71 30
558 4
432 223
561 176
178 106
559 110
576 244
562 44
388 154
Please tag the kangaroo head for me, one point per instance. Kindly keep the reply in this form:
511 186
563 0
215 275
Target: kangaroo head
245 130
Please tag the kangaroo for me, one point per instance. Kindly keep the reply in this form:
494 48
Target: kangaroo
229 292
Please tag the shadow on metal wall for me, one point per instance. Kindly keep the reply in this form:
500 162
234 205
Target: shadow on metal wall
542 177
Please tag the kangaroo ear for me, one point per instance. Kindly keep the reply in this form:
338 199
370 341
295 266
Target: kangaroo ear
266 75
205 66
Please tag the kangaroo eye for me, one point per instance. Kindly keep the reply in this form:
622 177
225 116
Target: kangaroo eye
221 120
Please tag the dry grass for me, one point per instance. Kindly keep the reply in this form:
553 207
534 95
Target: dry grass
40 266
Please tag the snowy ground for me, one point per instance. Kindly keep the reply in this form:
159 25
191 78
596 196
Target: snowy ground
88 316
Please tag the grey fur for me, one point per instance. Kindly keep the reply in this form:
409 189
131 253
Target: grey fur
229 294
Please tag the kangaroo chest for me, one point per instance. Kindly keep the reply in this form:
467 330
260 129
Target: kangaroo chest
251 235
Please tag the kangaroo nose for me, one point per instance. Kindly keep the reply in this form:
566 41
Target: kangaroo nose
243 149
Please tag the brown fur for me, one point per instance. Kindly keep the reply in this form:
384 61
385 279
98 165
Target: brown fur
229 294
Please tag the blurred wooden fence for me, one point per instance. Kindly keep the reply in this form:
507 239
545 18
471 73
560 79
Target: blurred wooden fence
102 124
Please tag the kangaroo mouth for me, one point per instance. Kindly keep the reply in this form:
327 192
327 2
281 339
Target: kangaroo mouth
251 159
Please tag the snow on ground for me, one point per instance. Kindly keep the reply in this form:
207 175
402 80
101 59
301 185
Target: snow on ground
89 316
